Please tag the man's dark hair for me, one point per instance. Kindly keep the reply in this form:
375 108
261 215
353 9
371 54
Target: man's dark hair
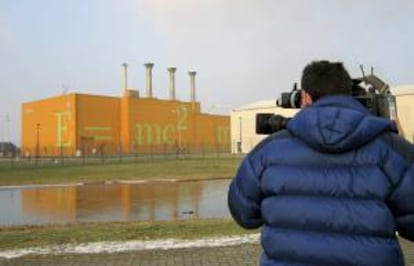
321 78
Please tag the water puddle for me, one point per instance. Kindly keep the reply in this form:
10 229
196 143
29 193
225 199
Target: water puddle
135 201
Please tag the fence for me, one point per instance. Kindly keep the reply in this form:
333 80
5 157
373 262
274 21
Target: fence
107 153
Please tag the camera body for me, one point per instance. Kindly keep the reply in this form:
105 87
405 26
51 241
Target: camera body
291 99
370 91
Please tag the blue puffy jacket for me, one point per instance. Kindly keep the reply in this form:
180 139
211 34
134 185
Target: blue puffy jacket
332 189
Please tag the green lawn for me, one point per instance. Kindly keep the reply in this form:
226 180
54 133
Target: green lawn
30 236
148 169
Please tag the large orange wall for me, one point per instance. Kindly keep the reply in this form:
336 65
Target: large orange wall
159 122
155 122
80 123
51 121
98 122
213 131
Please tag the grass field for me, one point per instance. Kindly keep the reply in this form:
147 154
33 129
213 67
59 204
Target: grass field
30 236
146 169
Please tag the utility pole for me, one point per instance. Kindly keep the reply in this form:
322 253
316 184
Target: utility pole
239 147
7 138
2 135
37 142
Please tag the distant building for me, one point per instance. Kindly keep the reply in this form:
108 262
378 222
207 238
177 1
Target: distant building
8 149
76 124
405 109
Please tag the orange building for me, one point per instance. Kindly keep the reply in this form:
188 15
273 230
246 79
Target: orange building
76 124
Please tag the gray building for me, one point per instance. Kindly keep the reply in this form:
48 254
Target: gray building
8 149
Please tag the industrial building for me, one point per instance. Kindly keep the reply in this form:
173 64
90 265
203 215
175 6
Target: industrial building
8 149
243 124
83 124
405 109
243 119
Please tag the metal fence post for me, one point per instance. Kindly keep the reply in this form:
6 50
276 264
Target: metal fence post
83 153
164 151
102 154
120 152
151 152
61 154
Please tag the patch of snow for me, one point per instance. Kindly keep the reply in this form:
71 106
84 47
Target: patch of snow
42 186
132 181
165 180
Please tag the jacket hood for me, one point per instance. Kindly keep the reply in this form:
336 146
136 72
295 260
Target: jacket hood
337 124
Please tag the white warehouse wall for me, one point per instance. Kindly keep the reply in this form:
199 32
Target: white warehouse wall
243 124
405 109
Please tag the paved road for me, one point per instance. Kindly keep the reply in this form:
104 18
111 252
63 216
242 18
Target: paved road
241 255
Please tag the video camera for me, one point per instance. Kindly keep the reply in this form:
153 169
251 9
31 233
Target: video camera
369 90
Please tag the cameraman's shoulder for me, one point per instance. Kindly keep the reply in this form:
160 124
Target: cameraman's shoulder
281 134
399 145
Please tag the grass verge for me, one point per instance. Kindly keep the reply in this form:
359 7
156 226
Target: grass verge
30 236
150 169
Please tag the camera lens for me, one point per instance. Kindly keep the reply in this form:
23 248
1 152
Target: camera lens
295 99
290 99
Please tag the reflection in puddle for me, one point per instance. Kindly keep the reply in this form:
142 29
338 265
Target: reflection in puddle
114 202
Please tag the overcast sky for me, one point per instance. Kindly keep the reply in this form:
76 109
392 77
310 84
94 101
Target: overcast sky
242 50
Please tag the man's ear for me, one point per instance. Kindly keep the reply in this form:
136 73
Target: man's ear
306 99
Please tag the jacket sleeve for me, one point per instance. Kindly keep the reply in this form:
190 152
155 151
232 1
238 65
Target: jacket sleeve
245 196
402 204
401 199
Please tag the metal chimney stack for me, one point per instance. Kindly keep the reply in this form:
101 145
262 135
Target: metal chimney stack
192 75
124 77
172 70
149 67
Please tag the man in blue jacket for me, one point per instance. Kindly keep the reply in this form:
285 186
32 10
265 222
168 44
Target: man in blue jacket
334 187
